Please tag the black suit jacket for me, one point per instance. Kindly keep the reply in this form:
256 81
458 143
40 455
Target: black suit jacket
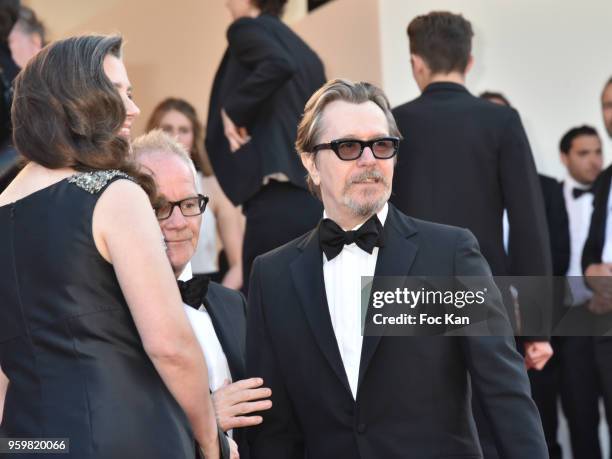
558 224
594 244
463 161
265 78
227 310
413 396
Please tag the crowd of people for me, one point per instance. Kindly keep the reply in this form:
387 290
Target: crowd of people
197 291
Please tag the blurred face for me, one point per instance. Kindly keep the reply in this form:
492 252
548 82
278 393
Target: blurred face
179 126
175 182
116 73
23 46
584 159
351 190
240 8
606 108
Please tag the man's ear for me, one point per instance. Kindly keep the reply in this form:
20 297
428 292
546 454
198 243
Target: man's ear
470 64
416 62
309 163
564 158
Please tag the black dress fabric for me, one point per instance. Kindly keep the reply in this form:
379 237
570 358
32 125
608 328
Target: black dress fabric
76 364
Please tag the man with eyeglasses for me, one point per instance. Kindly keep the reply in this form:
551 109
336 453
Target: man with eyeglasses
336 393
217 314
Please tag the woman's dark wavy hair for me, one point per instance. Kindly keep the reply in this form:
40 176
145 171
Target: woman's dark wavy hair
67 113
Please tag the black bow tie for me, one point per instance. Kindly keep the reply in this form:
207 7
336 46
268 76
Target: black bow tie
577 192
194 290
333 238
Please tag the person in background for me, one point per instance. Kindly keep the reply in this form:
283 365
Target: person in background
266 76
9 13
93 336
178 118
27 36
545 382
465 160
217 314
597 264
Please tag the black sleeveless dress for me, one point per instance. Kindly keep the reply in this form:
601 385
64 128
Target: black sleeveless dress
68 344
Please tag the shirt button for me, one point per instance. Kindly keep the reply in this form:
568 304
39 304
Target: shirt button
361 428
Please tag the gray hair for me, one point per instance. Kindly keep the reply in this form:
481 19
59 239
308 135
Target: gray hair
156 142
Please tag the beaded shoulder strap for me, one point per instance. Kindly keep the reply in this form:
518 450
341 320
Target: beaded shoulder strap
94 181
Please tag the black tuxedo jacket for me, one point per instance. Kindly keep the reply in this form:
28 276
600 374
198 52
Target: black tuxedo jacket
265 78
463 161
594 244
227 310
558 223
413 396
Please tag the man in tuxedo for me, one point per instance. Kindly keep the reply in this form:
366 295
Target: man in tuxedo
217 314
545 381
465 160
581 153
597 266
337 393
259 91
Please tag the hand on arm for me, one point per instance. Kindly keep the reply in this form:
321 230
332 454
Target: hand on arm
127 235
236 136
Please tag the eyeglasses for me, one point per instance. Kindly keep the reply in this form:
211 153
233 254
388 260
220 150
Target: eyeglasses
351 149
190 207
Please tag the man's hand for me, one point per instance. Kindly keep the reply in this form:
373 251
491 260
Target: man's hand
537 353
236 136
599 277
600 303
233 401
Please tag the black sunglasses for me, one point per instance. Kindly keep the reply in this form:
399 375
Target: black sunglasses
189 207
351 149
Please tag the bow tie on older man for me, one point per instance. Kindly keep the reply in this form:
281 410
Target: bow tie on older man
333 238
194 291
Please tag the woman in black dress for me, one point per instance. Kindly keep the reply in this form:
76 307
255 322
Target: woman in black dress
93 337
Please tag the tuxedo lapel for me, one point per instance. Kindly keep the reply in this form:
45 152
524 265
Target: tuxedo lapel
307 273
394 259
225 329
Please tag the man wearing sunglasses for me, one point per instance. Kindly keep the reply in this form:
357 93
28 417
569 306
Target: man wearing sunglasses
217 314
336 393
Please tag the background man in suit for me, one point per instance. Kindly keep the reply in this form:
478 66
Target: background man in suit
545 382
217 313
580 151
597 265
465 160
259 91
336 393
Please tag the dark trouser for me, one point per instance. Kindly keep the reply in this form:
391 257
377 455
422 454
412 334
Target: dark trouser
603 360
545 388
277 214
580 390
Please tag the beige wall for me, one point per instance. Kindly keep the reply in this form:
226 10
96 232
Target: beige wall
174 48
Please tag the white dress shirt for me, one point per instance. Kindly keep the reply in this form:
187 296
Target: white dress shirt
579 214
342 277
216 362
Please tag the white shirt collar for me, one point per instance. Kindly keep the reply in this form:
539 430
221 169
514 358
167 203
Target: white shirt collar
572 183
187 273
382 216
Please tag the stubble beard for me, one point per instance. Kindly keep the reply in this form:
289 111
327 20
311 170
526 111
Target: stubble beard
370 204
